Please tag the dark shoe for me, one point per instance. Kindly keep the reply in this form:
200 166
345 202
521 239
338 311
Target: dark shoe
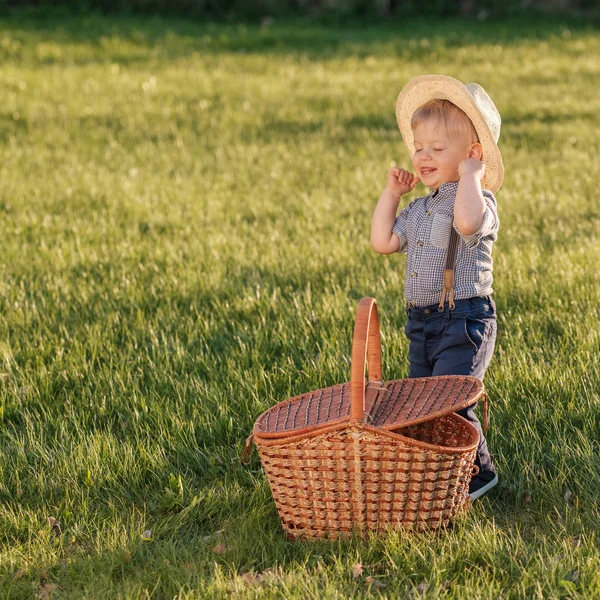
482 483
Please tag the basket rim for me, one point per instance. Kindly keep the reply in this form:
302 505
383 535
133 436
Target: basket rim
315 431
289 433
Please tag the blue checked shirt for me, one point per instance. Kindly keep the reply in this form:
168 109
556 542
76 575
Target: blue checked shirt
424 231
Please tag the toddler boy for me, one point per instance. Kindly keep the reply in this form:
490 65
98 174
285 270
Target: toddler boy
451 131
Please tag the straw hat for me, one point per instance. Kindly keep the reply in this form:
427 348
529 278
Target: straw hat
473 100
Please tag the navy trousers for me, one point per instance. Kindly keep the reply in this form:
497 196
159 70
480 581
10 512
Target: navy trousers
454 342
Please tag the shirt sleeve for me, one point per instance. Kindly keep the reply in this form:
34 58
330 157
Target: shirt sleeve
400 227
489 225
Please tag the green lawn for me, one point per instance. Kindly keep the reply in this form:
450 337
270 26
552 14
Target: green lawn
184 218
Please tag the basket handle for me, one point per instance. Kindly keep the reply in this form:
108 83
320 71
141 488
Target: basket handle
366 350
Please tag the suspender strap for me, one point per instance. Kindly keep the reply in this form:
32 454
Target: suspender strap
448 288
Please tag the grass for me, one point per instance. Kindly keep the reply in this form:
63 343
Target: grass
185 212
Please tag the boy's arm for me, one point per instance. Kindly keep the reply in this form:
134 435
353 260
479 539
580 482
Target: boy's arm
469 205
475 214
383 239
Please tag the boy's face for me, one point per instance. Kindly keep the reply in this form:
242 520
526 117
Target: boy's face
438 153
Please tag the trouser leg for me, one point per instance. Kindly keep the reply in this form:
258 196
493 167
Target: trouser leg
483 458
459 342
466 348
419 364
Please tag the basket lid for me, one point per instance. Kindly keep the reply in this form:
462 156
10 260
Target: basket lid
390 405
406 402
327 406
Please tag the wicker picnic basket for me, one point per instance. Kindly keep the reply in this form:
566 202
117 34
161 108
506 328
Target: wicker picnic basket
366 456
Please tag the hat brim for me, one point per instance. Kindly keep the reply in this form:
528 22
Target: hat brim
430 87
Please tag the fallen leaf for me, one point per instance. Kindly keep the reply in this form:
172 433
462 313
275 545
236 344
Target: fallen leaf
357 570
251 579
220 548
217 533
54 526
23 391
218 460
47 591
375 582
571 499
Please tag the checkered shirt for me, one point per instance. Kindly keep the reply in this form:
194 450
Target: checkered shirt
424 231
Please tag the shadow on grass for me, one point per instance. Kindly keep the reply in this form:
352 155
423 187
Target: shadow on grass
183 551
225 322
126 39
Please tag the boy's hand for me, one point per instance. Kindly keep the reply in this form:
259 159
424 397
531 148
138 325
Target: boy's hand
400 181
471 166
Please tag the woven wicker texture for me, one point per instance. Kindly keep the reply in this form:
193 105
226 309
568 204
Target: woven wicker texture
335 468
411 401
347 480
390 405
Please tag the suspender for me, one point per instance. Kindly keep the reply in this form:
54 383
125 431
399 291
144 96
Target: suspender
449 271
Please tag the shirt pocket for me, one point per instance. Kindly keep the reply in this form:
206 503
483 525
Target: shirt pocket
440 230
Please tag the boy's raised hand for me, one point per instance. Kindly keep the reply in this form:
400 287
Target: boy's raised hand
471 166
400 181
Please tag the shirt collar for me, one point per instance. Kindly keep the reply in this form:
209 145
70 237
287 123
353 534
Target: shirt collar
446 191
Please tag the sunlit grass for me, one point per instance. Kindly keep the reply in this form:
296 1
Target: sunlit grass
185 213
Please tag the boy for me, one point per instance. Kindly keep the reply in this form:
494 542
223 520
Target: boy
451 131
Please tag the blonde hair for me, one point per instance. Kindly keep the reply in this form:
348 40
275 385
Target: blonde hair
454 120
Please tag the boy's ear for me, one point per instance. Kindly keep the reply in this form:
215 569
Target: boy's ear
476 151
